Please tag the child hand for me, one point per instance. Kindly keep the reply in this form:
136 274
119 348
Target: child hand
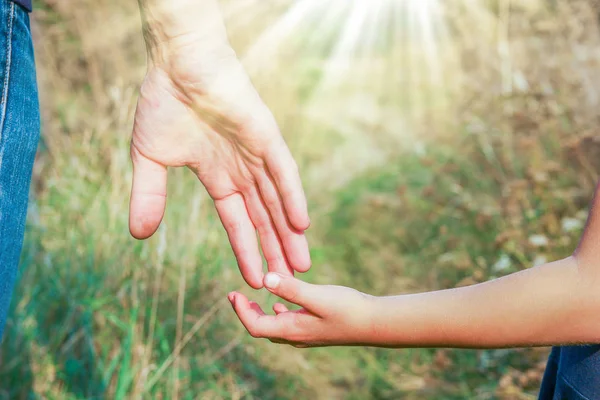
331 315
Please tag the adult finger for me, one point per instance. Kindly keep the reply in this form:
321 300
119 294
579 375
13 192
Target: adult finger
269 240
148 195
242 236
293 241
284 170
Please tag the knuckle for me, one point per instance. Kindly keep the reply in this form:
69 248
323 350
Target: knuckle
262 224
233 226
275 258
293 295
287 190
286 235
272 201
247 182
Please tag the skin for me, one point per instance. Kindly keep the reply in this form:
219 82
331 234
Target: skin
198 109
553 304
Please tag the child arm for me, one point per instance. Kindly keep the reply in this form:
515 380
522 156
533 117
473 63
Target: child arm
552 304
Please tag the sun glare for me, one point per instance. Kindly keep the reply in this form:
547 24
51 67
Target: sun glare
384 46
375 66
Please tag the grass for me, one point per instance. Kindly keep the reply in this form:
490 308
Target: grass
473 182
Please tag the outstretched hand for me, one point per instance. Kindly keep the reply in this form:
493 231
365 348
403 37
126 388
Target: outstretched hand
199 109
330 315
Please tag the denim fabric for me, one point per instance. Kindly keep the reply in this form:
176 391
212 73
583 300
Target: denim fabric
572 373
25 4
19 134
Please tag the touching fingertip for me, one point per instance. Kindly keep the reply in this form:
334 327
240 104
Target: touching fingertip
258 286
255 282
272 280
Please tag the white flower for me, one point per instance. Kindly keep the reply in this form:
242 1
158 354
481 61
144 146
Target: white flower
538 240
571 224
502 264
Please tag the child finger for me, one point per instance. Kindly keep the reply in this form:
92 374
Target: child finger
280 308
256 322
295 291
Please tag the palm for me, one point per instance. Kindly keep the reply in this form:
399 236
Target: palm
229 139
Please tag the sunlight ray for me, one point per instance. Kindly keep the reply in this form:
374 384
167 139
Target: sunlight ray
384 54
266 46
333 13
340 61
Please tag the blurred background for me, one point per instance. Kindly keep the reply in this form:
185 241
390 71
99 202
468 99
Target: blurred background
440 145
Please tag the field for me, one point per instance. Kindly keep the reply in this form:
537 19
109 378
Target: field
439 147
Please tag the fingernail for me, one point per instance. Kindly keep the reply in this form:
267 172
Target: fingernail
230 297
272 280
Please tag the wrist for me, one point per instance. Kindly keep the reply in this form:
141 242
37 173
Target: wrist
173 27
392 323
366 325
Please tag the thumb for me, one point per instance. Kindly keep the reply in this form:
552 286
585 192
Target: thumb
148 195
294 290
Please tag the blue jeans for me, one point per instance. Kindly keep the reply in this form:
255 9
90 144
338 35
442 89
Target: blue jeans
19 134
572 373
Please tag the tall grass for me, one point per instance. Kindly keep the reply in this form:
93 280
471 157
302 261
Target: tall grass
414 184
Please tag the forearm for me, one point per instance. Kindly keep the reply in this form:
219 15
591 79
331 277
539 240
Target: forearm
553 304
588 251
171 25
546 305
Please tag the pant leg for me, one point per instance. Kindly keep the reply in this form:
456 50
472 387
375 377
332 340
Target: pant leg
19 134
573 373
548 388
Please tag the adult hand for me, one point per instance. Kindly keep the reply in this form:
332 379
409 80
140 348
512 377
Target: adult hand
198 108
